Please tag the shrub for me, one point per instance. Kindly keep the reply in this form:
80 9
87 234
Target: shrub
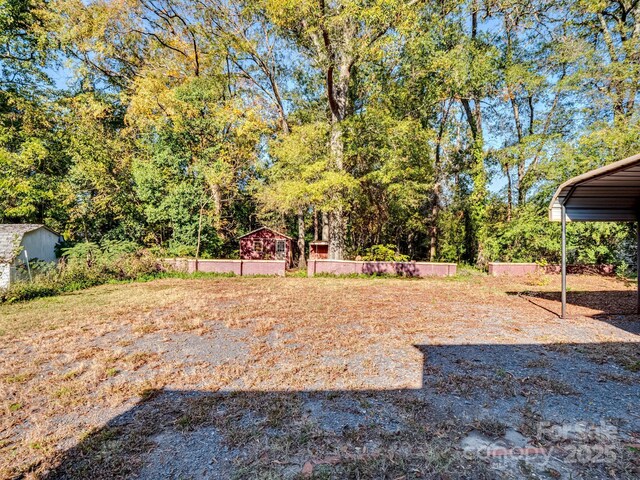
383 253
86 265
21 291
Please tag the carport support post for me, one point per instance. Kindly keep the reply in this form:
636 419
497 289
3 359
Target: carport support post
564 262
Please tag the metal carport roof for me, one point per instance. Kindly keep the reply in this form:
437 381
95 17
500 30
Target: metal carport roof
607 194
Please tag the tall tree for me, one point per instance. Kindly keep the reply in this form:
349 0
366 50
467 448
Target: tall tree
298 178
25 42
610 30
338 37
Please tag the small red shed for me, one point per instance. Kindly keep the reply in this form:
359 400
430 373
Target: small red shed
266 244
319 250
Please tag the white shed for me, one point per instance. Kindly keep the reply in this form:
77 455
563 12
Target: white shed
20 243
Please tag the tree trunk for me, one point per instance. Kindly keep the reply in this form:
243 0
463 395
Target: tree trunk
199 235
302 259
507 170
337 83
325 227
435 200
433 242
476 209
337 234
216 196
521 189
315 224
478 198
435 208
520 164
336 220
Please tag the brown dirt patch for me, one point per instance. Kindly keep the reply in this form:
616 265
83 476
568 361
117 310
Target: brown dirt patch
70 365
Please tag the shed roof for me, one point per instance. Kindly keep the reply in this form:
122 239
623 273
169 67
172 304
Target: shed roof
607 194
265 228
11 236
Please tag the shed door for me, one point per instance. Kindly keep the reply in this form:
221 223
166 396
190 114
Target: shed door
281 249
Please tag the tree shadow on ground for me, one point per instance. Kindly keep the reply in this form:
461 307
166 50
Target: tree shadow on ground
395 433
616 307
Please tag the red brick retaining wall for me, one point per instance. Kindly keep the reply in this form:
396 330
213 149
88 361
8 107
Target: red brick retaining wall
236 267
409 269
512 269
582 269
264 267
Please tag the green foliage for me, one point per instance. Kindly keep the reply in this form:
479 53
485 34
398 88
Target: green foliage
101 199
393 162
600 243
32 160
86 265
24 41
396 119
24 291
525 238
298 175
528 239
383 253
82 252
200 154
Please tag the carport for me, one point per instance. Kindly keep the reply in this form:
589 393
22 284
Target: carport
607 194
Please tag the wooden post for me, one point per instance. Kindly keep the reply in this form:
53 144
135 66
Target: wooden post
638 264
26 255
564 262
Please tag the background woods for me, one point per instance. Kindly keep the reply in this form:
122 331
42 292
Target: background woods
438 128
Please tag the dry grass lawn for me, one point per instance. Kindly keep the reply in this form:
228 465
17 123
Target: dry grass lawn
319 377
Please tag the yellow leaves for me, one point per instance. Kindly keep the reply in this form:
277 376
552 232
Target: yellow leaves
88 107
301 175
464 68
85 24
126 39
592 6
381 12
152 100
353 28
158 99
304 144
287 13
218 172
34 151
